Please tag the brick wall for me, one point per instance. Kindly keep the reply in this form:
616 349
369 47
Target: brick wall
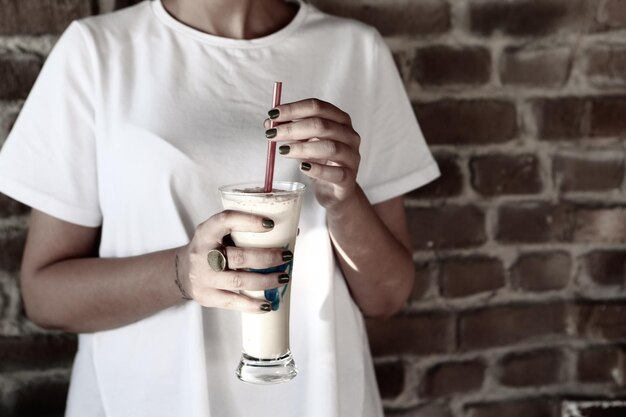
520 247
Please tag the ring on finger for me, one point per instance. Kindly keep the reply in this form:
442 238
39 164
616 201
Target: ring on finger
217 259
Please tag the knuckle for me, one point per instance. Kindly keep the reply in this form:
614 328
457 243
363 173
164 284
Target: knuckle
228 302
237 257
236 280
225 216
330 147
343 175
321 124
288 128
316 123
315 104
273 257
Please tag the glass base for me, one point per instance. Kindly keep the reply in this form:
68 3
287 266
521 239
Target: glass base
267 371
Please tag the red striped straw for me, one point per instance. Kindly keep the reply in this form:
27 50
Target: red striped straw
271 145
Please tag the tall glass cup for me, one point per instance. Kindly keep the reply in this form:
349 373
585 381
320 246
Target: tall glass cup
266 357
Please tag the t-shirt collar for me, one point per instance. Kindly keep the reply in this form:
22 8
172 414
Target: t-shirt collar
163 15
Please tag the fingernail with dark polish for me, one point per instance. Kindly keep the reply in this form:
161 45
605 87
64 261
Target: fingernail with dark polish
266 307
283 279
284 149
268 223
287 256
274 113
305 166
271 133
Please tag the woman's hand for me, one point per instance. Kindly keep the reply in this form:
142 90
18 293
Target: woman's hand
220 289
321 136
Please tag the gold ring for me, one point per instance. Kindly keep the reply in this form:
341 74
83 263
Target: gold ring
217 259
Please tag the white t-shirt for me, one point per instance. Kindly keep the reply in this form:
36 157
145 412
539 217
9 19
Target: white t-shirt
134 122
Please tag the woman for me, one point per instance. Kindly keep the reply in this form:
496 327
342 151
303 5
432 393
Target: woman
136 119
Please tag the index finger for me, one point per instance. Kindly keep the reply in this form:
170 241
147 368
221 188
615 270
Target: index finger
214 229
310 107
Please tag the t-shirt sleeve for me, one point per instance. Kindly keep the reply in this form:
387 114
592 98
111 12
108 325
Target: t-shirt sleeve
395 157
49 159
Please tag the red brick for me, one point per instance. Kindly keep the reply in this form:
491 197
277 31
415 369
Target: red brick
606 66
499 326
606 267
580 117
390 378
445 65
535 222
601 365
399 17
454 377
450 184
10 207
423 280
518 17
582 173
467 122
601 225
532 369
605 321
494 175
36 352
561 118
607 116
18 74
541 271
613 13
424 334
40 16
446 227
539 222
11 249
461 277
531 407
535 67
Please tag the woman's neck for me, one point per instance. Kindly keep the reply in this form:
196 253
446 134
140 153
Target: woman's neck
237 19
